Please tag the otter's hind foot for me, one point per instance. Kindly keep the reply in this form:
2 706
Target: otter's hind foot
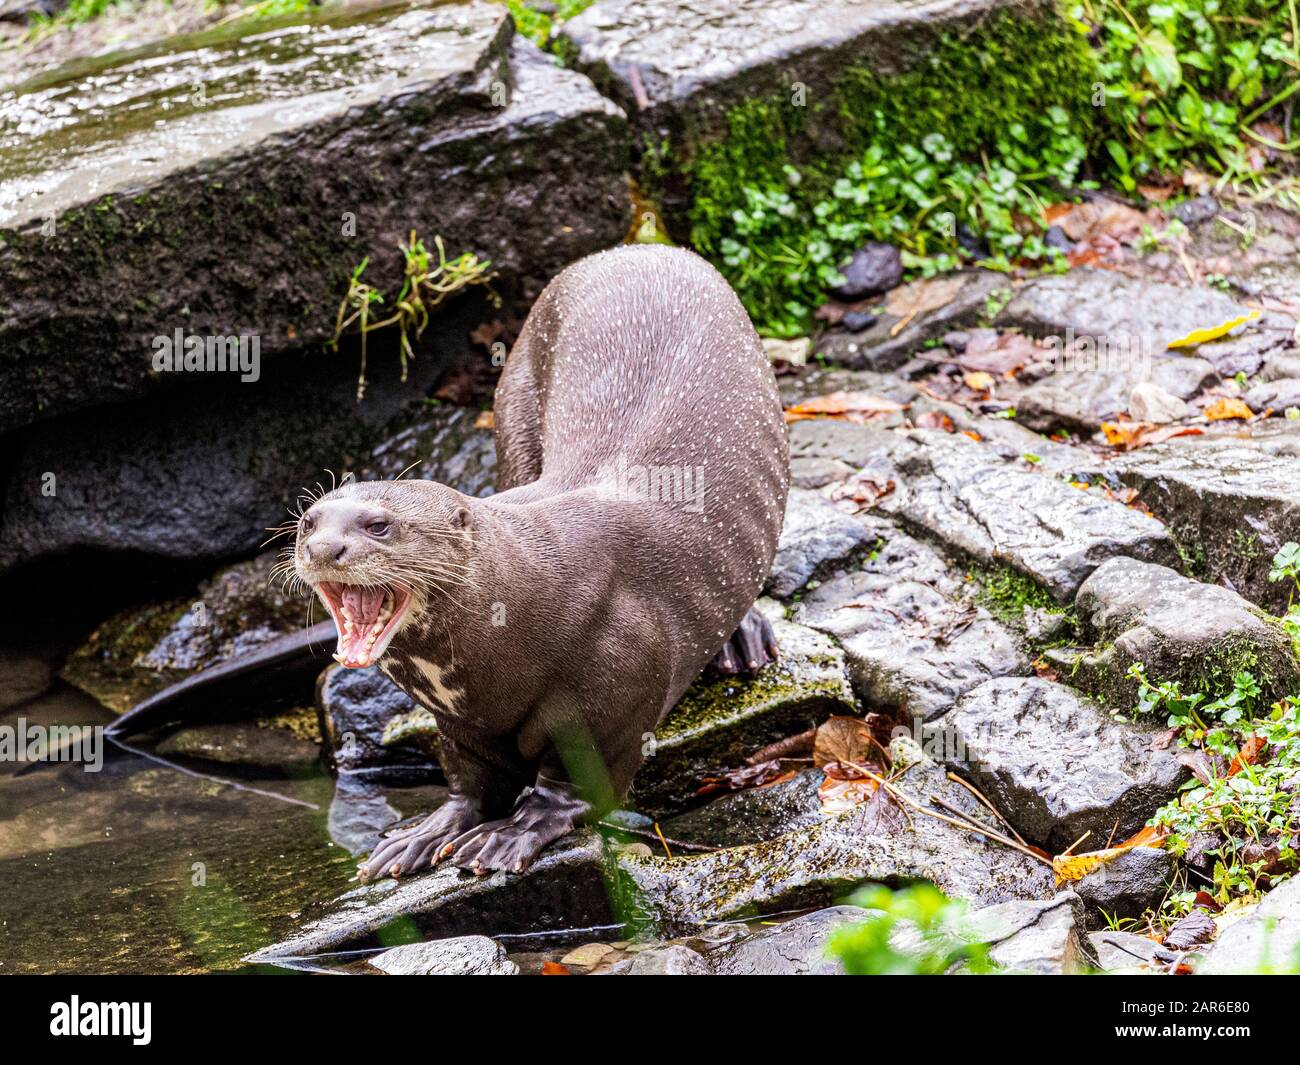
751 647
420 845
545 813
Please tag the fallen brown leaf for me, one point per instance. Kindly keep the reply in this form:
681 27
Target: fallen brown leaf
842 739
1133 435
851 406
1248 755
935 419
1194 930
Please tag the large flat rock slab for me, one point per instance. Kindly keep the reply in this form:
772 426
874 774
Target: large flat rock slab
816 865
1056 765
966 495
1130 317
564 888
1230 501
703 54
229 183
910 646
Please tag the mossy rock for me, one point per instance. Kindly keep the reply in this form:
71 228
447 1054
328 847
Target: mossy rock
720 721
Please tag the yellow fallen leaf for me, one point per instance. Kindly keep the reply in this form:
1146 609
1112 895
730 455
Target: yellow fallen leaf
978 381
1222 409
1204 336
1071 867
485 420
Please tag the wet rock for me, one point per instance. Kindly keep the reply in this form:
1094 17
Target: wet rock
1041 938
1196 211
1081 400
792 948
1279 367
1275 395
564 889
910 646
194 466
1151 403
873 268
387 87
1122 951
461 956
23 10
371 724
674 960
814 866
1056 765
449 446
1126 886
836 440
1246 354
1179 629
237 743
815 534
141 651
998 512
1267 940
720 721
22 678
878 346
359 811
1133 317
752 815
1230 503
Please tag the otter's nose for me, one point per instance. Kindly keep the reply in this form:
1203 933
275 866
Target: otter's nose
324 548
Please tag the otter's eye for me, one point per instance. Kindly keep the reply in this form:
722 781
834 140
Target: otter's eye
308 523
378 528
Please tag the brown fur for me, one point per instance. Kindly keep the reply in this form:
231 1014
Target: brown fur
567 608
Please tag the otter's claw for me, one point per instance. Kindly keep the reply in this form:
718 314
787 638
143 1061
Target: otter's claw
751 647
421 845
544 814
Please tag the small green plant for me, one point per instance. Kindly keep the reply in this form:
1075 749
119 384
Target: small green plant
424 286
1286 567
1238 816
925 919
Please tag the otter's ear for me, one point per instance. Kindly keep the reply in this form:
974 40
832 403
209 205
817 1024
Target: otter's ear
461 518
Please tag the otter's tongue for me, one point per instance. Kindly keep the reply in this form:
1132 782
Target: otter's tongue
361 621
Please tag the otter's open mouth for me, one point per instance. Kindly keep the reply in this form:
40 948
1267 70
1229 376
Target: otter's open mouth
365 617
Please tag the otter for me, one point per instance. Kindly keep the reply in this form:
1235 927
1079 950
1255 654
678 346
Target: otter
642 477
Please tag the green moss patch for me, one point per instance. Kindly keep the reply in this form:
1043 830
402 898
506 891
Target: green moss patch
979 128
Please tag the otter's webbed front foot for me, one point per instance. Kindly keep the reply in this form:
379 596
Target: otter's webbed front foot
751 647
548 811
420 845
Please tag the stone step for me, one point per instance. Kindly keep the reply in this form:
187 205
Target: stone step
720 721
1057 765
1201 635
968 496
911 642
1230 502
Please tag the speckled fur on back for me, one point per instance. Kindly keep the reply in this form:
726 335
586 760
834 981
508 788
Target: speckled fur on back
643 357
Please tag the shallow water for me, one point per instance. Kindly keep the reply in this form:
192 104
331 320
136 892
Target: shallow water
145 867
